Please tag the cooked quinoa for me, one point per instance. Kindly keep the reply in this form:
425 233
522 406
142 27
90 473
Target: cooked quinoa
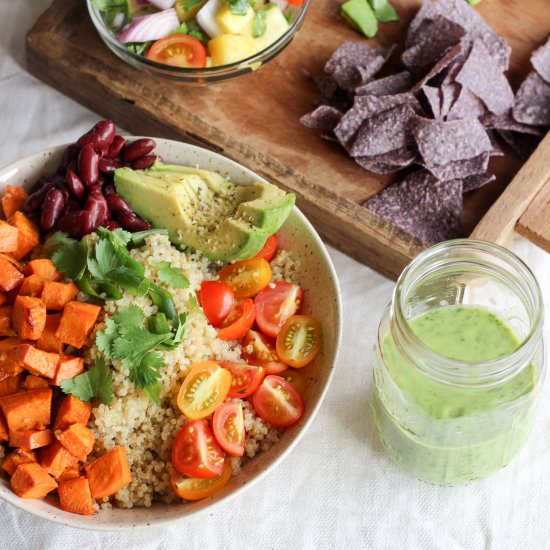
146 429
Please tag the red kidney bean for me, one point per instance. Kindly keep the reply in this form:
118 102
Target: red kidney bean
108 189
84 222
40 182
100 136
69 156
97 207
137 149
75 186
111 225
35 200
88 165
132 222
108 165
118 205
144 162
51 208
116 147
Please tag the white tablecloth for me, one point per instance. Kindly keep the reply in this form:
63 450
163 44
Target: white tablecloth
337 489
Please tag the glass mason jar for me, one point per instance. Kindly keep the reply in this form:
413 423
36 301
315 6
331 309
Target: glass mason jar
446 419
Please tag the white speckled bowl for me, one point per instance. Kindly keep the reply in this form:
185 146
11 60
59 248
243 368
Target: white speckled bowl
322 299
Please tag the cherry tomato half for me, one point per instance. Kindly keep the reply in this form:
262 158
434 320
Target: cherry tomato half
228 426
179 50
275 305
269 249
277 402
296 3
216 299
297 378
248 277
205 388
258 350
245 379
299 341
190 488
239 321
195 452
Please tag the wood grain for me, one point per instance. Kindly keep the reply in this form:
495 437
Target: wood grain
499 222
534 224
255 119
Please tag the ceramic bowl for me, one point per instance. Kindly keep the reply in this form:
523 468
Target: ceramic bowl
322 299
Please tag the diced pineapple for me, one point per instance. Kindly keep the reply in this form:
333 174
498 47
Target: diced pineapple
209 62
275 26
258 4
234 24
187 9
230 48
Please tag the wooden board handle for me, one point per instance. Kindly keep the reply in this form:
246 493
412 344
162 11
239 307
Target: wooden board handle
500 221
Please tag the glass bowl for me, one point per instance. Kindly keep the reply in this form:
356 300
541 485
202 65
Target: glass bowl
194 75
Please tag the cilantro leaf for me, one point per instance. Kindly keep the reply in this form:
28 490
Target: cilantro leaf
68 255
259 25
152 391
117 236
138 48
106 258
147 371
94 383
180 29
105 338
130 280
177 337
171 276
192 302
134 342
195 31
239 7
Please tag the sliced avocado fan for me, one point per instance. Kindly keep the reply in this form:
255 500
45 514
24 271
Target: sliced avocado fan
204 211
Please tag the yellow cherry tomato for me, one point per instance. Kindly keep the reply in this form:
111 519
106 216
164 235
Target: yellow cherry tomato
299 341
248 277
191 488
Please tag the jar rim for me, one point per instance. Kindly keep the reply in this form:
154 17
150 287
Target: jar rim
449 370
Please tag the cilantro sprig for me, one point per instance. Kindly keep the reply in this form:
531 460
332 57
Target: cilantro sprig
96 383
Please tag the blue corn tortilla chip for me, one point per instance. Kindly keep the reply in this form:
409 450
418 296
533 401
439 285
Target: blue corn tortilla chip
324 117
507 122
540 59
441 142
477 181
521 144
384 132
447 59
466 105
421 205
449 94
459 169
532 103
389 85
354 64
482 76
388 163
433 97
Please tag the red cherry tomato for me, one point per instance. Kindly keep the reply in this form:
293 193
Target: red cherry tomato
278 403
275 305
296 3
195 452
179 50
245 379
258 350
216 299
228 426
269 249
239 321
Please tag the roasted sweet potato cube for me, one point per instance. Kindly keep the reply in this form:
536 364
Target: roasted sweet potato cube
71 411
55 295
56 459
33 382
49 341
8 237
9 367
31 439
75 496
69 473
13 200
32 481
11 384
68 367
6 328
4 435
28 235
109 473
77 321
77 439
27 410
33 285
10 276
36 361
29 317
16 457
43 268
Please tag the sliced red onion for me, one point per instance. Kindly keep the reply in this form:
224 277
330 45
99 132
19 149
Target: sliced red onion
149 27
118 20
283 4
162 4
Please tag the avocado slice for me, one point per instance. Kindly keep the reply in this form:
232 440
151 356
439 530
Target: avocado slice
204 211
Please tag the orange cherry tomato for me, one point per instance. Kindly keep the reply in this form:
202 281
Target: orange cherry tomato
299 341
258 350
239 321
248 277
269 249
179 50
278 403
190 488
245 379
204 389
228 426
195 452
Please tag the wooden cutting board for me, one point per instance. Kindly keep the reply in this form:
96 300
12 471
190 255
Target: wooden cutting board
254 119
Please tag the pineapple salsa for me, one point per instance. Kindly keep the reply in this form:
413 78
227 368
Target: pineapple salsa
198 33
